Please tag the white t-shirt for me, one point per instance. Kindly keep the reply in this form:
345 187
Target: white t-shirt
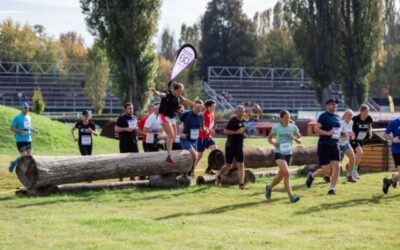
345 128
153 121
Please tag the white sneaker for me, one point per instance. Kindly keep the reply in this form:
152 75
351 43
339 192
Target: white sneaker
355 174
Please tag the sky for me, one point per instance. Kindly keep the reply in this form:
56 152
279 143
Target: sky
60 16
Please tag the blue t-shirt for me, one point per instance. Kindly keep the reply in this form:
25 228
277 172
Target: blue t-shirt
192 124
284 137
394 129
23 123
329 121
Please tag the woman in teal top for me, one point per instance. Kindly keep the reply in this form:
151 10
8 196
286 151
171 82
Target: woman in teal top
281 137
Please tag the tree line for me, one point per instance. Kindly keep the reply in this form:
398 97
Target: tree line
351 42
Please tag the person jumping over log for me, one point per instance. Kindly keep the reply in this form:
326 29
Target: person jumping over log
234 147
329 130
283 133
392 133
193 125
362 127
206 140
85 130
170 101
22 128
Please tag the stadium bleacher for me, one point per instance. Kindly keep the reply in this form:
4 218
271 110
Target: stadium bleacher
273 89
62 92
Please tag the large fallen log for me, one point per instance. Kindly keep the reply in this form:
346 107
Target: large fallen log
38 172
264 158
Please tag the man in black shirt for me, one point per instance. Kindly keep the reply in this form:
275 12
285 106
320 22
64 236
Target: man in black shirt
85 130
234 147
362 128
127 127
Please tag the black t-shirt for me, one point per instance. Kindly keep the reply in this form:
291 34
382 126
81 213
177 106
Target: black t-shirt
235 141
85 137
361 127
169 105
126 121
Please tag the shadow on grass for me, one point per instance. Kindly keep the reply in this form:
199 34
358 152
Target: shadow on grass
376 199
93 195
219 210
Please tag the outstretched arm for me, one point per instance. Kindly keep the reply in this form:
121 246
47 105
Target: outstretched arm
158 93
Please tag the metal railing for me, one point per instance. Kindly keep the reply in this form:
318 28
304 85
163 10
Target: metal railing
256 73
223 104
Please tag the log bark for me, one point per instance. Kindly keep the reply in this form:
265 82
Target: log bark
231 178
36 172
265 157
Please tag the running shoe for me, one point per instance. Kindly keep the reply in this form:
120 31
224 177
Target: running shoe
386 184
309 180
351 179
268 192
327 178
13 165
355 174
331 192
294 199
170 160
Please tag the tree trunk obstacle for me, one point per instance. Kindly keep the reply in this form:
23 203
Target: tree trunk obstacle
256 158
264 158
41 172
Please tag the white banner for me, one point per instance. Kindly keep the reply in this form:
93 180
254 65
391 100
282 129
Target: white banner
186 56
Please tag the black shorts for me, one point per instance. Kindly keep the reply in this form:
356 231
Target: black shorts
86 150
24 146
233 153
128 148
328 153
151 147
355 144
287 158
176 146
396 158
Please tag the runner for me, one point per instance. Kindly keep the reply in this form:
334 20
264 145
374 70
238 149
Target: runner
234 147
127 127
328 128
392 133
85 130
206 140
155 134
141 127
22 128
362 127
284 133
347 133
193 123
170 101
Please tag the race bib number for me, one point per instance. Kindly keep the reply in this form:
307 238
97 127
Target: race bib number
27 124
337 133
361 135
86 140
132 123
285 147
194 134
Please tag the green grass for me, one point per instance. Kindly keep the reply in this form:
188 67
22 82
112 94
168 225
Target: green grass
359 217
54 137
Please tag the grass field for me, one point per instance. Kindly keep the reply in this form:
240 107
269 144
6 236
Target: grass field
359 217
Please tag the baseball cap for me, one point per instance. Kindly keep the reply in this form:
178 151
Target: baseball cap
332 100
85 112
24 105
